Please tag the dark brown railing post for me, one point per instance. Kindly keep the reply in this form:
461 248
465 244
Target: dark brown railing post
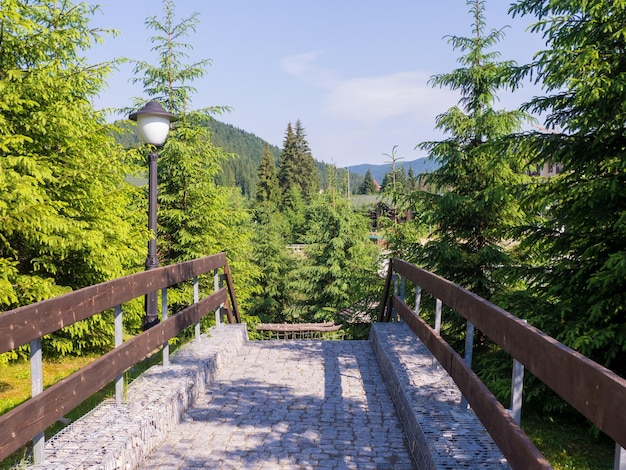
231 292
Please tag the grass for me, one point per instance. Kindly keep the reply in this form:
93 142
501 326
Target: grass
569 444
15 381
15 388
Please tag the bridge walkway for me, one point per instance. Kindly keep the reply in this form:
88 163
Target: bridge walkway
291 404
228 403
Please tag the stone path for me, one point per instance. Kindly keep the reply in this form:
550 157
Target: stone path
291 405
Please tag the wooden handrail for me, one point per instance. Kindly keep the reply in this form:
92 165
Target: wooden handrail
31 322
36 414
24 324
509 437
590 388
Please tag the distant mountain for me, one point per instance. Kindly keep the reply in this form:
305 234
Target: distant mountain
242 171
421 165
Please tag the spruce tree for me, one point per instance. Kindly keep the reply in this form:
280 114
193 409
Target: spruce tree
288 163
340 268
68 217
368 186
309 179
294 210
296 164
267 189
271 300
472 204
577 242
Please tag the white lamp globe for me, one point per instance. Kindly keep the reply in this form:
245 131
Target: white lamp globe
153 123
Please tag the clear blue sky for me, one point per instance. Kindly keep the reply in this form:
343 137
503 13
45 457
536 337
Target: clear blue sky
354 72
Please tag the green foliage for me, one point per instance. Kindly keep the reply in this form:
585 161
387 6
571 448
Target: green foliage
472 206
274 263
268 189
393 181
168 80
340 267
576 244
294 209
241 170
368 186
296 164
195 217
69 219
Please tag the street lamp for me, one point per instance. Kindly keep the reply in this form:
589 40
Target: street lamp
153 124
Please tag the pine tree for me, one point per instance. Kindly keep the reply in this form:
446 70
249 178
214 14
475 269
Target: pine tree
309 179
274 262
368 186
268 189
473 204
579 242
69 218
288 163
411 180
168 81
296 164
294 210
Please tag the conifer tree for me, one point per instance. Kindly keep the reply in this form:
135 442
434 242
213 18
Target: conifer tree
274 262
294 210
68 217
368 186
340 268
195 217
296 164
578 244
309 179
267 189
288 164
472 204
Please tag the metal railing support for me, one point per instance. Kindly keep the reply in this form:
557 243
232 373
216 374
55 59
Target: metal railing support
394 314
517 387
196 299
164 315
119 338
469 350
216 287
620 458
418 299
438 308
36 381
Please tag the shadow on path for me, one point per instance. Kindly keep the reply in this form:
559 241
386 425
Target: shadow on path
292 404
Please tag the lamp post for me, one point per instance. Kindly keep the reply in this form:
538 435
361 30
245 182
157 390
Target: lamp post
153 124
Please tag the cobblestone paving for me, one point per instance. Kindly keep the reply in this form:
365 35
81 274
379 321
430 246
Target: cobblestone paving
291 405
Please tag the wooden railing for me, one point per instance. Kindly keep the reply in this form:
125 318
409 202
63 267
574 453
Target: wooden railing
593 390
29 323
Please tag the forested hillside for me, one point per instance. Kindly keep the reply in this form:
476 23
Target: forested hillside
240 171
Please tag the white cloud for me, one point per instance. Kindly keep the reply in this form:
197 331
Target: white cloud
371 100
374 99
365 117
303 67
